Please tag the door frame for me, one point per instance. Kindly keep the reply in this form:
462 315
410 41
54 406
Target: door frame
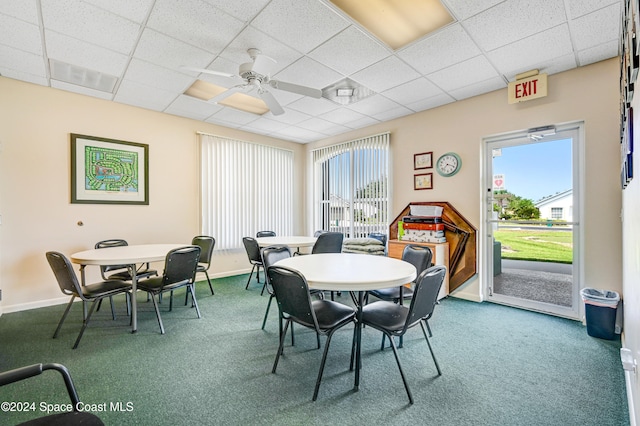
486 242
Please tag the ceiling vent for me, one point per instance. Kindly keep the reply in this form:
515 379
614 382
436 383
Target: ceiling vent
82 76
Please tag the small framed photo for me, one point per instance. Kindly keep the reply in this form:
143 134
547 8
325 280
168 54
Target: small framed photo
423 181
423 160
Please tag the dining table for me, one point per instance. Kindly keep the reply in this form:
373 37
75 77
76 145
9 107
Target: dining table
131 256
291 241
356 273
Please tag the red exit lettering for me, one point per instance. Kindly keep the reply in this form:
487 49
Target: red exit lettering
528 88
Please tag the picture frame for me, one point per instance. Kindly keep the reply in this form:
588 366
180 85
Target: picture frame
108 171
423 181
424 160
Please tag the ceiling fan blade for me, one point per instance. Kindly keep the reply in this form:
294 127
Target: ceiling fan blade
206 71
295 88
271 102
263 65
224 95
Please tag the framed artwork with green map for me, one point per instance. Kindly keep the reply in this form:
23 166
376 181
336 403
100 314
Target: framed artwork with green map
108 171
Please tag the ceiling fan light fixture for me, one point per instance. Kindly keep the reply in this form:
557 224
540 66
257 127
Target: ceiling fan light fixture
205 91
346 92
397 22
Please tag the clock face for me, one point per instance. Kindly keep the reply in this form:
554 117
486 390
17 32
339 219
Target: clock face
448 164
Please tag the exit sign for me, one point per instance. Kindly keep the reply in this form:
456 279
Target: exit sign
525 89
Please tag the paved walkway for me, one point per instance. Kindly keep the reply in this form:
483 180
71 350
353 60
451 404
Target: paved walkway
557 268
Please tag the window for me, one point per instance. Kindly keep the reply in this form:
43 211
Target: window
245 188
556 212
350 186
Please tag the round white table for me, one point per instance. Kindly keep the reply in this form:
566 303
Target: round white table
124 255
289 241
351 272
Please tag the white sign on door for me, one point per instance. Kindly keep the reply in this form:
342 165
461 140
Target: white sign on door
498 182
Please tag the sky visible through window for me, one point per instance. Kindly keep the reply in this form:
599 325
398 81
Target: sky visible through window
536 170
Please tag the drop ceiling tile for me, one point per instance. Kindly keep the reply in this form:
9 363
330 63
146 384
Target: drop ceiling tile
432 102
385 74
317 125
24 10
349 51
233 116
90 24
463 74
22 76
530 52
265 126
412 91
598 53
195 22
308 72
81 90
478 88
463 9
373 105
596 27
342 116
313 106
392 113
578 8
22 62
446 47
299 135
244 10
156 76
511 21
362 122
290 116
141 95
303 25
250 37
170 53
76 52
549 66
20 34
136 11
187 106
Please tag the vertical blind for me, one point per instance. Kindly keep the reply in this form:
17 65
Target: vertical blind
245 188
350 186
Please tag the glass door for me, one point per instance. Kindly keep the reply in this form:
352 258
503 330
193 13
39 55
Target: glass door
532 219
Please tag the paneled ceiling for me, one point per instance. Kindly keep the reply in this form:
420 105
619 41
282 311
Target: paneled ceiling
145 43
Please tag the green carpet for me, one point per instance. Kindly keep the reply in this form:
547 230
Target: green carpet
501 366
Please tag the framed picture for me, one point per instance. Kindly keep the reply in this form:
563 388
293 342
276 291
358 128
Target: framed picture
108 171
423 160
423 181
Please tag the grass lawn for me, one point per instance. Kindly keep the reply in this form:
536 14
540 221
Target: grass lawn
541 246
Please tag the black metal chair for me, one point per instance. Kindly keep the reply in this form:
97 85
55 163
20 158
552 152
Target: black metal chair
394 319
260 234
69 284
122 271
295 305
67 418
180 271
381 237
271 255
206 245
255 258
328 242
318 232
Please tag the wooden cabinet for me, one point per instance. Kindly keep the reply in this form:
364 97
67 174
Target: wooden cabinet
440 257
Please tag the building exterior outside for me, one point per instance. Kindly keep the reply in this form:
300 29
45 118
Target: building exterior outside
557 207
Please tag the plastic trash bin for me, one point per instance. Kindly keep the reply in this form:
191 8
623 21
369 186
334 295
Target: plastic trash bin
600 308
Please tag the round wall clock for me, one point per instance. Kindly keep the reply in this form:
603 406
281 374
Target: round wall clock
448 164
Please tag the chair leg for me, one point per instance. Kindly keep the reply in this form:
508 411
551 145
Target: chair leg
85 322
435 361
428 327
264 321
113 311
209 281
404 379
171 300
246 287
324 359
192 288
64 316
281 346
155 305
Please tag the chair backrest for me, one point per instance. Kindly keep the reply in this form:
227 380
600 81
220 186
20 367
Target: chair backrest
379 236
271 255
206 245
418 256
181 265
425 294
253 249
265 234
111 243
318 232
64 273
292 293
328 242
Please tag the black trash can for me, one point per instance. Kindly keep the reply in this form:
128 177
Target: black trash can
600 307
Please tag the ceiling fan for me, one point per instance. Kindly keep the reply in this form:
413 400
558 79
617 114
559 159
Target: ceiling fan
256 76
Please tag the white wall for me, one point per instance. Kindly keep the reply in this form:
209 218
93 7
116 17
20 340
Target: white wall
37 216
